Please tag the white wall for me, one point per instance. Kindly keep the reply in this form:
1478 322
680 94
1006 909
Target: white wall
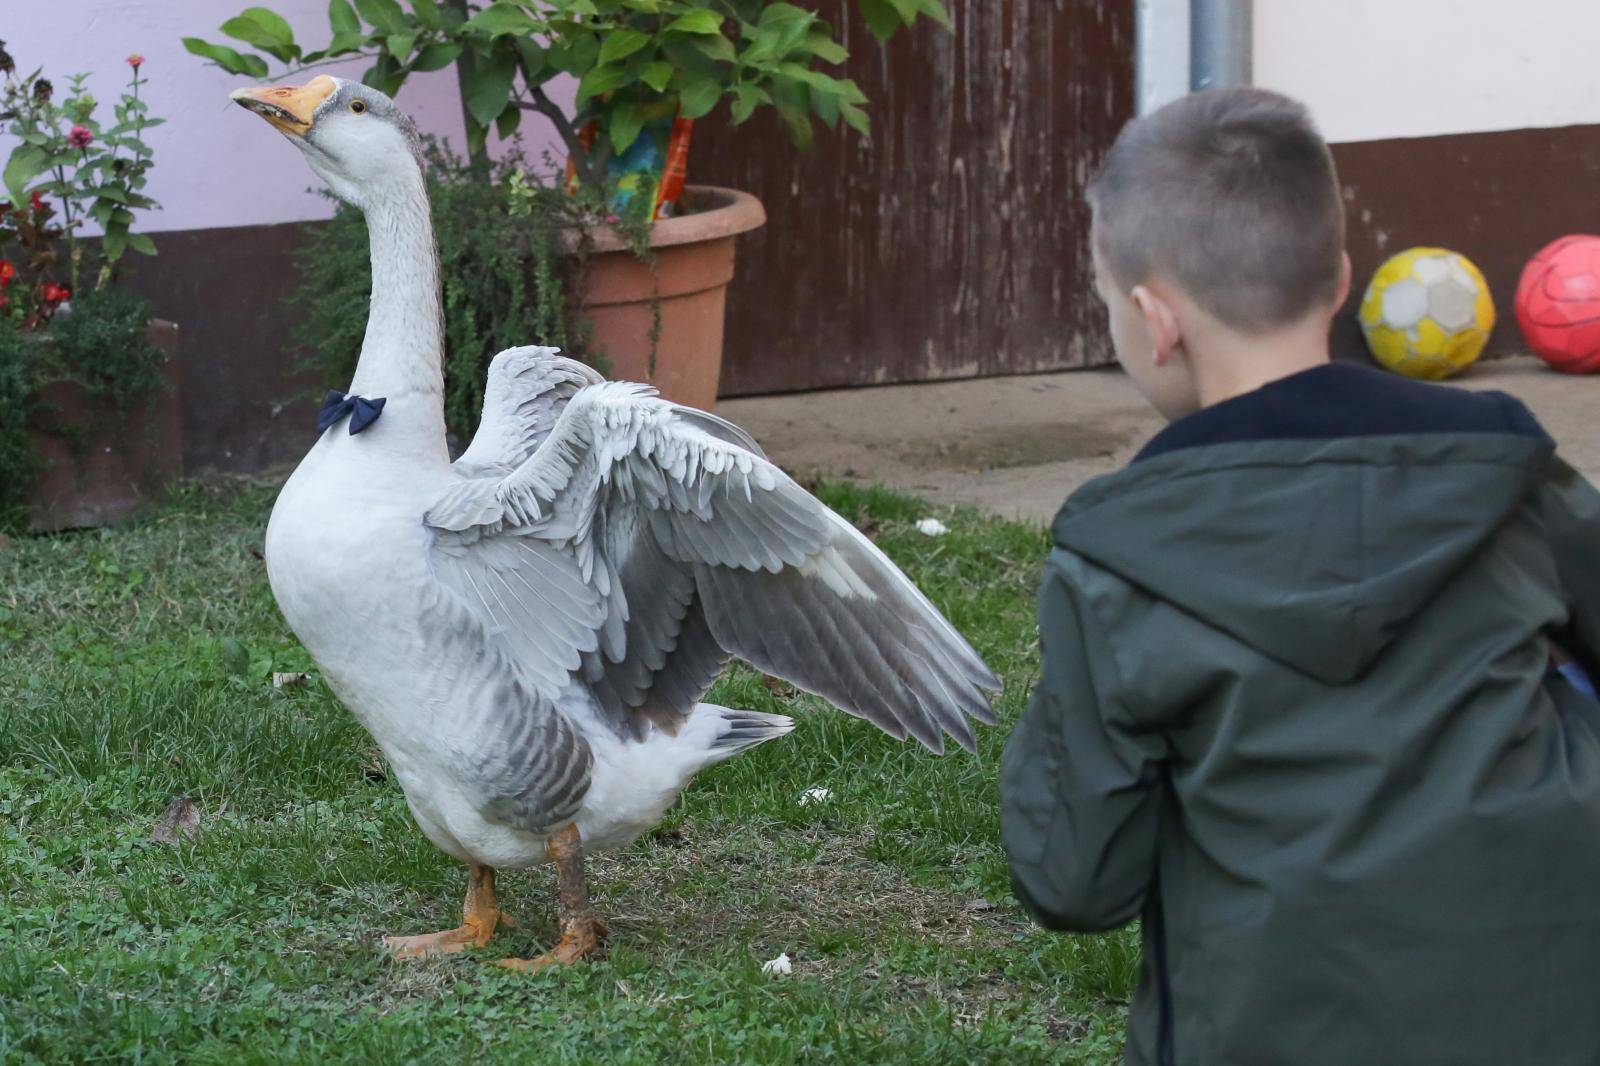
215 164
1163 34
1373 69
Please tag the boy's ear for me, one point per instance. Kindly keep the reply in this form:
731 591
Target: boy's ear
1160 322
1346 272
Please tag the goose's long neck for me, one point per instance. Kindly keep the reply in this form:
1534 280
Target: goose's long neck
402 352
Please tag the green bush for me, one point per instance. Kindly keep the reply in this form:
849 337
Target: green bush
102 346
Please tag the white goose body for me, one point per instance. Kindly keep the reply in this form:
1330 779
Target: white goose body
528 632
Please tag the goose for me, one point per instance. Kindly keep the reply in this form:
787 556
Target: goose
527 632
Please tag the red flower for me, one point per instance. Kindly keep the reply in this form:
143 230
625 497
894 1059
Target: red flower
79 137
36 201
136 61
54 294
6 270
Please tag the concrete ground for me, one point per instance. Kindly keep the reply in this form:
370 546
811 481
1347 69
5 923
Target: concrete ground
1019 446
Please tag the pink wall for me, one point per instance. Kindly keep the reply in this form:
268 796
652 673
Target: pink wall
216 165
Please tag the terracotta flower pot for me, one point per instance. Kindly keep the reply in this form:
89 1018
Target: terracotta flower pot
694 264
114 469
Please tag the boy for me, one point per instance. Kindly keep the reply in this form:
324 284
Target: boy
1296 709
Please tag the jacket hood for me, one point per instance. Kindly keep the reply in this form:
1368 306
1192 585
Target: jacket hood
1314 552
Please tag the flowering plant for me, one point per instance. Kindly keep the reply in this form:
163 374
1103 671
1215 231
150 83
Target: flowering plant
86 170
66 168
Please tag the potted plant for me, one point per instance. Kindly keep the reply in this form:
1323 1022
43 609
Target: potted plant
645 70
88 418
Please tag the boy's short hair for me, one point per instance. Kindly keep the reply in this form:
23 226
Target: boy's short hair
1231 194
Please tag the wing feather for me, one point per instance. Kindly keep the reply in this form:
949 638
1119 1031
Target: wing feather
692 548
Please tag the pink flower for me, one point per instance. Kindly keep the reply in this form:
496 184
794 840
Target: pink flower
79 137
135 61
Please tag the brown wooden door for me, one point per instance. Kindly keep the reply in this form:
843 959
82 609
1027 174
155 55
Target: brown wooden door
954 243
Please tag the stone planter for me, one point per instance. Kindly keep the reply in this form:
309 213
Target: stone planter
114 469
694 264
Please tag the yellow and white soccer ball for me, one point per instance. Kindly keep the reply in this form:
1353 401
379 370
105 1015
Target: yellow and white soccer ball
1427 313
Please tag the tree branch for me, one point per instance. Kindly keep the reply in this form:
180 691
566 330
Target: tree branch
582 158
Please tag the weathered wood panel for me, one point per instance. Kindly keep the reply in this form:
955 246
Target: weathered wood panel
245 405
954 243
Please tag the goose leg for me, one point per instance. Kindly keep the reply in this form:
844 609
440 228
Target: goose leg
479 916
581 928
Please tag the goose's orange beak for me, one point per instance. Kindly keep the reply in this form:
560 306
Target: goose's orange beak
288 107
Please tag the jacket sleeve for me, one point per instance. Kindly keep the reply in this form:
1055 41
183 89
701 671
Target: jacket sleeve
1571 508
1082 783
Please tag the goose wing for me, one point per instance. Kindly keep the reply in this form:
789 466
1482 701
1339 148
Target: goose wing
689 547
525 392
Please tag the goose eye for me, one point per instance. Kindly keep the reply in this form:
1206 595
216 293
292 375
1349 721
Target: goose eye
358 106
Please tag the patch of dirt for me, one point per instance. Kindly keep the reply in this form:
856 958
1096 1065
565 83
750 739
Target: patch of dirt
1003 446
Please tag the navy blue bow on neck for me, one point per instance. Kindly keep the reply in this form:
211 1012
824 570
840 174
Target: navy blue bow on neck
362 411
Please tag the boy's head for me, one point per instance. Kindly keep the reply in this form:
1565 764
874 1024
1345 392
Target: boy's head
1218 236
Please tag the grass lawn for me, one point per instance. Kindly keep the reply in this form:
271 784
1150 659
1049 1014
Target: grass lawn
135 668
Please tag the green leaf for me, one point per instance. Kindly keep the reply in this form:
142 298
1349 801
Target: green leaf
698 97
602 80
385 75
774 13
400 45
800 131
621 43
428 13
718 49
827 49
657 75
488 89
935 10
882 18
265 30
846 90
226 57
342 17
271 23
26 163
746 99
385 15
826 105
477 137
856 118
699 20
436 56
501 18
533 60
506 125
141 244
907 10
626 122
576 55
114 241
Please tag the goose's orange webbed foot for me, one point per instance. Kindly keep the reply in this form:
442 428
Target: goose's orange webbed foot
480 915
582 931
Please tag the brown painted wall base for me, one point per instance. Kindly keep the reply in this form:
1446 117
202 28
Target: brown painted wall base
1494 197
244 406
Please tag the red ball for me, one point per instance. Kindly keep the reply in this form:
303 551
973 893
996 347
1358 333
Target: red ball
1558 304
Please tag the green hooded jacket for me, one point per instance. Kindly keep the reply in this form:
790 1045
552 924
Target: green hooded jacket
1296 712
